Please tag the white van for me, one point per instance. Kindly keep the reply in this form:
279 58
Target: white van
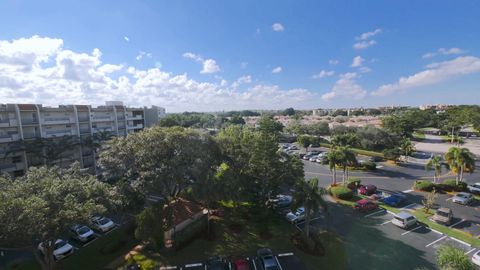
404 220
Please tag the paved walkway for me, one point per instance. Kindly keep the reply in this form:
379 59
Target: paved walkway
434 144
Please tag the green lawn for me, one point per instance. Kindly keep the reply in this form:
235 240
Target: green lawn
419 136
358 151
248 240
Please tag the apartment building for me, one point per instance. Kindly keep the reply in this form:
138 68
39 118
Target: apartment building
23 123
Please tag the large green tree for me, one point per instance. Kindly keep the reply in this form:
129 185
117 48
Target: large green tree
40 206
407 147
346 157
435 164
460 160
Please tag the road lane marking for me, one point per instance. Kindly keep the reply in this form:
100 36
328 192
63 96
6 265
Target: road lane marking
386 222
460 241
436 231
374 213
285 254
278 263
407 191
412 230
456 223
466 253
440 239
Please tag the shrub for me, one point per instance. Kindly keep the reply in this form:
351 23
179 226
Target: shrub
353 183
341 192
424 185
451 185
369 165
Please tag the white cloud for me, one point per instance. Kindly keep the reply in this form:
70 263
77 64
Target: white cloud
242 80
277 27
364 44
333 62
81 78
323 74
435 73
345 87
365 69
368 35
209 65
443 51
142 55
126 39
357 61
277 70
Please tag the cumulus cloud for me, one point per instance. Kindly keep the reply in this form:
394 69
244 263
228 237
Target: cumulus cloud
433 74
357 61
142 55
333 62
368 35
209 65
345 87
82 78
277 27
443 51
365 69
277 70
323 74
365 39
364 44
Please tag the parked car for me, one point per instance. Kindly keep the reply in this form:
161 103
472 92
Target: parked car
443 216
314 152
476 258
404 220
102 224
293 147
217 263
394 200
296 216
132 266
308 156
281 201
61 249
241 264
367 189
267 260
365 205
463 198
82 233
474 188
313 158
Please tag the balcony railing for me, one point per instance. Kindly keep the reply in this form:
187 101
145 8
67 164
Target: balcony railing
29 121
61 131
102 118
84 130
83 119
57 120
27 135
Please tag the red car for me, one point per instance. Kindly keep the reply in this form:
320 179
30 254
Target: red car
367 190
241 264
365 205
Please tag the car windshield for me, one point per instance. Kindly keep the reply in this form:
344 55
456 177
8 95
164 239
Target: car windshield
59 244
103 221
399 219
83 230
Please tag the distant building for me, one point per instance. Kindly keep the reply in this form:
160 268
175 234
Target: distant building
153 115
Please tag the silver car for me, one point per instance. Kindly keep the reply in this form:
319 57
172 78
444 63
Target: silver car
463 198
475 188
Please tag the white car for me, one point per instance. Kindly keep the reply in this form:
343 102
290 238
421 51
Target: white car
102 224
463 198
296 216
313 158
61 249
82 233
475 188
404 220
476 258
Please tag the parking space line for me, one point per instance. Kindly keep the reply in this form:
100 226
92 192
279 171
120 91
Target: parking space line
440 239
406 207
412 230
285 254
278 263
433 230
407 191
386 222
456 223
466 253
460 241
448 199
374 213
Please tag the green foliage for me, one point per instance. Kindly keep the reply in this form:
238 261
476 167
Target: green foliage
451 185
341 192
369 165
150 225
375 139
316 129
451 258
391 154
347 139
191 231
424 185
269 126
194 120
304 141
460 160
289 112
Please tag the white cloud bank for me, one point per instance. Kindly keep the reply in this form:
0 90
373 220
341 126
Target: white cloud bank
41 70
433 74
443 51
345 87
209 65
365 41
323 74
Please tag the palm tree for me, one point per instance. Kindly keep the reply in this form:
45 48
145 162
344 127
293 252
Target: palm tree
407 147
333 159
309 195
435 163
347 158
460 159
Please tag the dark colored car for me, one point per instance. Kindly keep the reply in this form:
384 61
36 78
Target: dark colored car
365 205
241 264
394 200
367 189
267 260
217 263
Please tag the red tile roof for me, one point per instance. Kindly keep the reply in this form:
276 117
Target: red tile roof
184 210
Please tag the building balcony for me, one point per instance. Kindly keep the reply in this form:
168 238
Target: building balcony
84 130
134 117
8 123
9 138
59 120
58 133
101 119
137 126
96 130
83 119
11 167
29 121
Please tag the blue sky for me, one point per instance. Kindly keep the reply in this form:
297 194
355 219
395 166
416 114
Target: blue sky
221 55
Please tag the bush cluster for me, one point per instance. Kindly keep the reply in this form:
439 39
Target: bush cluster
451 185
341 192
369 165
424 185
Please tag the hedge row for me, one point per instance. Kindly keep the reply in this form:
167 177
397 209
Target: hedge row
341 192
447 185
